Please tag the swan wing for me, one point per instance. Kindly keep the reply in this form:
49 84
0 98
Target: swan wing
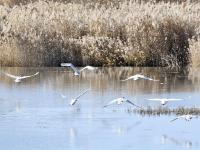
82 93
111 102
10 75
88 67
145 77
156 99
128 101
131 77
23 77
69 65
174 119
174 99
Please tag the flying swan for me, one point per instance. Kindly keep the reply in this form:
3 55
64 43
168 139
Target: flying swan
119 101
139 76
77 72
19 78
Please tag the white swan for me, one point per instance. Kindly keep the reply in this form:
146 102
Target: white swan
74 100
119 101
76 71
164 101
19 78
186 117
139 76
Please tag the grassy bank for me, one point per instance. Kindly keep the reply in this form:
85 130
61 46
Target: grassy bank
139 34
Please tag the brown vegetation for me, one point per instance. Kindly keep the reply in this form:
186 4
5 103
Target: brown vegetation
149 111
47 33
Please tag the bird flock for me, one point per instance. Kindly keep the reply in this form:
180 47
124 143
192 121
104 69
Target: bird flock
118 101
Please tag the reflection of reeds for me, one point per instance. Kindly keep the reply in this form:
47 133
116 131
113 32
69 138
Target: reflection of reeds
46 33
151 111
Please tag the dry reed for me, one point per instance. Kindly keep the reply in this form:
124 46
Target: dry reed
149 111
47 33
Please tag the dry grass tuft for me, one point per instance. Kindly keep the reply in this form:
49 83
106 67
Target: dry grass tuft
46 33
149 111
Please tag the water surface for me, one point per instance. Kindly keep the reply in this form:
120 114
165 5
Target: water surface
35 116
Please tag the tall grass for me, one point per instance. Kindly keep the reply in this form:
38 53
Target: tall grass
47 33
93 2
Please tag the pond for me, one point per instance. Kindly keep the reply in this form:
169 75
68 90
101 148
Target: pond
35 114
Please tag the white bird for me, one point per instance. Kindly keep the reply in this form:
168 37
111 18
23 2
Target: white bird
74 100
139 76
76 71
186 117
119 101
164 101
19 78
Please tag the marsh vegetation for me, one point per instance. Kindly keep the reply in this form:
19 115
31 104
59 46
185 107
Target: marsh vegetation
157 111
134 33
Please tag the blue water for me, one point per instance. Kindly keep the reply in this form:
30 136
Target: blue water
34 116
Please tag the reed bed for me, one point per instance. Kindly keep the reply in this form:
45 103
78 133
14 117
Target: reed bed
46 33
195 52
158 111
93 2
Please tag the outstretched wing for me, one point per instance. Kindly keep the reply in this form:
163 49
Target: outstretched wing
175 119
23 77
156 99
133 104
82 93
147 78
69 65
165 99
111 102
131 77
88 67
174 99
10 75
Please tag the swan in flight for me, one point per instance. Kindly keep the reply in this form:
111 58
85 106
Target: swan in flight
186 117
164 101
74 100
77 72
139 76
121 100
19 78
